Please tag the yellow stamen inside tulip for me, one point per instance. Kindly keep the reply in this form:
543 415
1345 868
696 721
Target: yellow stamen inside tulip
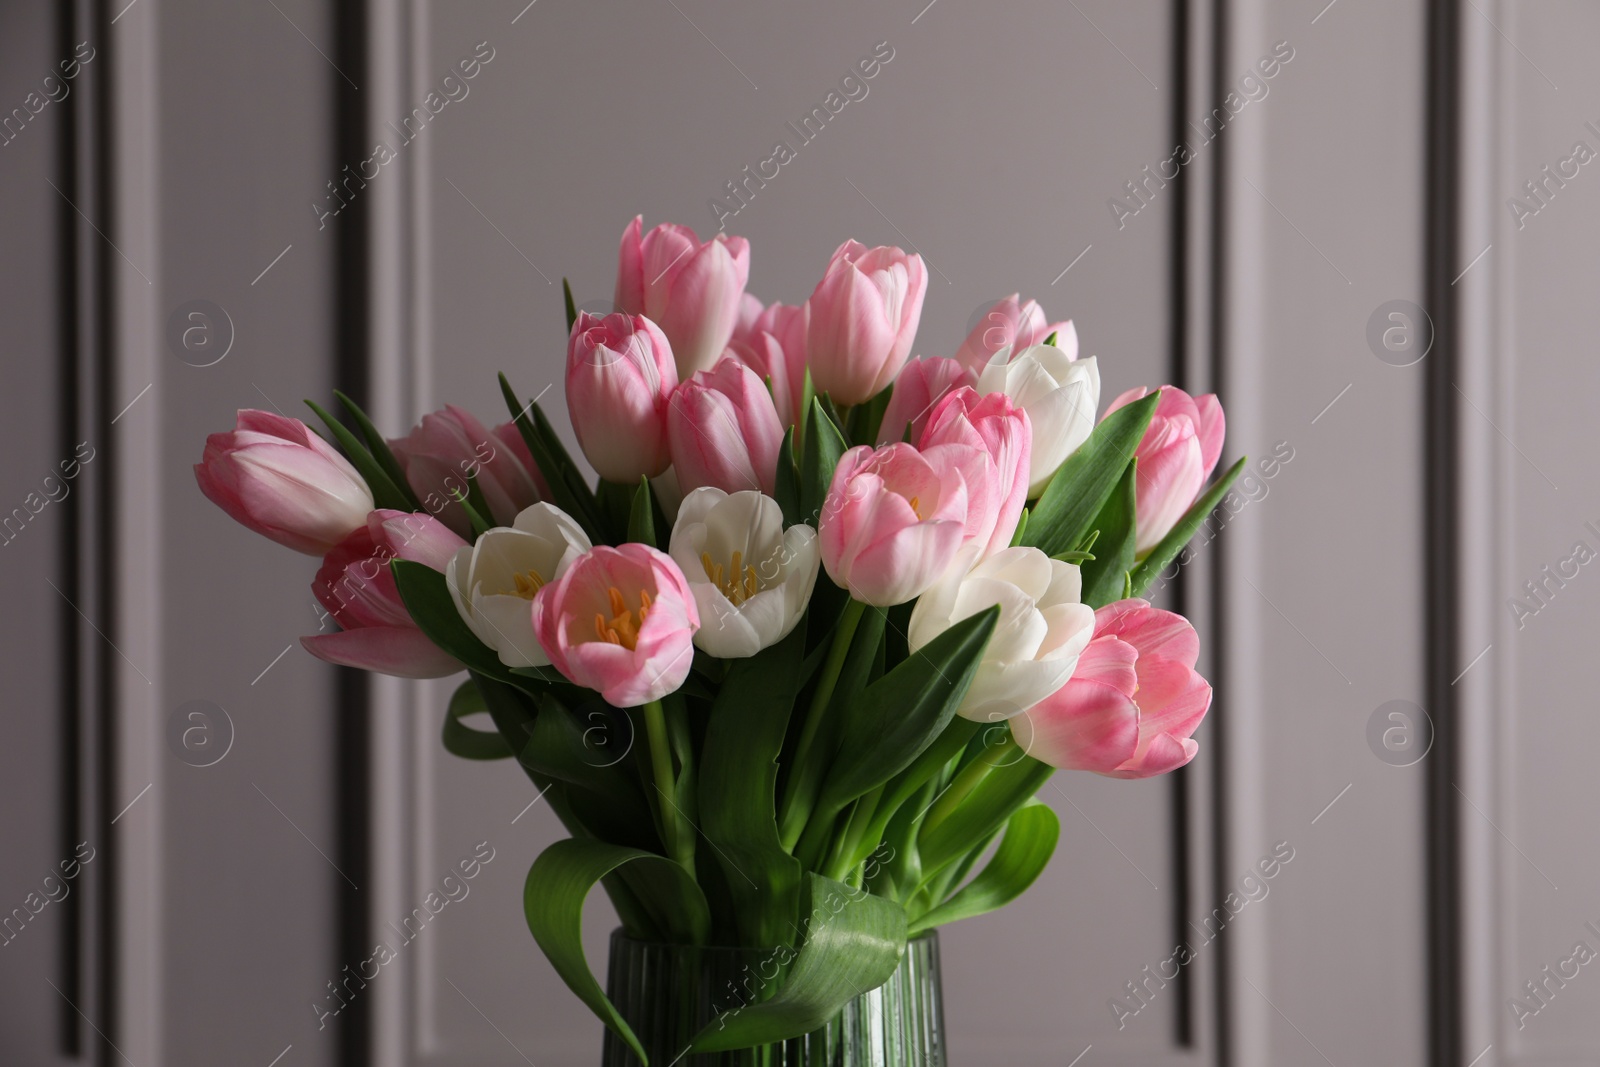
915 506
623 626
738 583
524 585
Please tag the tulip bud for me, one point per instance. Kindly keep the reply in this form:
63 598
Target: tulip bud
620 621
273 475
449 446
990 426
893 520
920 386
620 375
1093 723
1059 394
357 587
692 289
774 346
1179 451
1014 326
863 318
724 431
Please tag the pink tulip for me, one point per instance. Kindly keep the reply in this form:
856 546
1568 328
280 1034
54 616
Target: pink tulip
920 386
893 520
724 431
358 589
450 445
1017 326
620 376
996 429
1177 455
744 324
863 317
620 621
272 474
774 346
1132 703
772 365
692 289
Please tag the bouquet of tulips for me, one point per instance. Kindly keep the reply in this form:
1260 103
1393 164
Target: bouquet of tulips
825 624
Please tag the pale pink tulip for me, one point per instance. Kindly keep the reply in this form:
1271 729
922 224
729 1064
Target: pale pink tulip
620 621
893 520
620 375
1131 705
448 446
357 587
773 364
272 474
692 289
1177 455
1017 326
724 431
995 428
921 385
863 318
744 324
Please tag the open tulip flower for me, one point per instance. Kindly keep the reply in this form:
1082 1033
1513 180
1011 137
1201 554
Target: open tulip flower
273 475
493 580
752 579
819 579
620 621
1134 702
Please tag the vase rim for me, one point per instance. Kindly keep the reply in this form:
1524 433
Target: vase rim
620 933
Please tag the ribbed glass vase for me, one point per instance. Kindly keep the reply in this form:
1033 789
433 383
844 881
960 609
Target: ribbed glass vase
667 993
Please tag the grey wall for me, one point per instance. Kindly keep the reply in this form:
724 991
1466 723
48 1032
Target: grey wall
1376 565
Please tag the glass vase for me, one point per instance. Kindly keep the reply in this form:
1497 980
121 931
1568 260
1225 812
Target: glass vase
668 993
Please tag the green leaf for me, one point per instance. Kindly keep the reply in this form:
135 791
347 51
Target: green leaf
787 491
985 810
1030 840
476 506
616 509
567 486
853 943
571 308
738 778
908 785
1066 509
465 741
379 447
890 722
430 605
867 418
552 900
586 747
1104 575
824 446
1169 547
1021 530
384 492
641 517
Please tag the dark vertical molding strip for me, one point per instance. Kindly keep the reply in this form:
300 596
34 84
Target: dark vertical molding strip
1442 549
69 551
1221 838
1178 284
352 341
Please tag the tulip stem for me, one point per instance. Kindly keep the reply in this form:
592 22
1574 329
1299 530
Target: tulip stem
655 723
959 789
794 815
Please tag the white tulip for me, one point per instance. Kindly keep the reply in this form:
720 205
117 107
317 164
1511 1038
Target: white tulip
751 578
494 579
1043 625
1060 395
